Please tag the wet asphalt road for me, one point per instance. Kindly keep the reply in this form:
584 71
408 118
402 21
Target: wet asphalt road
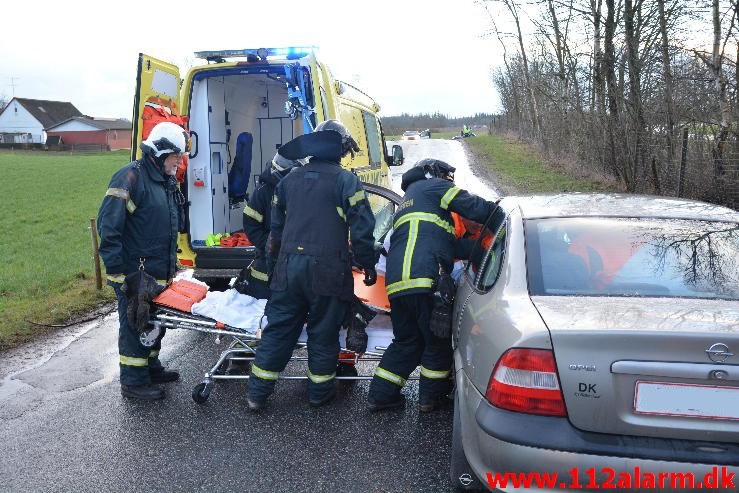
65 427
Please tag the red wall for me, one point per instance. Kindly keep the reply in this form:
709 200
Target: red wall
115 139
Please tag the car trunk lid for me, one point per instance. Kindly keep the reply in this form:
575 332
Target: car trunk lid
647 366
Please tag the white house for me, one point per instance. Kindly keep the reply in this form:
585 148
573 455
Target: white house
24 121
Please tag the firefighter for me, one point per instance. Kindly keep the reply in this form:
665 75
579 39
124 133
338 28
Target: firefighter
311 279
422 245
257 218
138 224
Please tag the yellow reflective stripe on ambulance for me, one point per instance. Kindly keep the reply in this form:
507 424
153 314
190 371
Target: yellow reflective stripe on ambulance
256 274
449 196
421 282
434 374
341 213
390 376
264 374
253 214
130 361
356 198
320 378
425 216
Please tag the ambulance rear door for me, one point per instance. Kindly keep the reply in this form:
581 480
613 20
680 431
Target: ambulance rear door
157 83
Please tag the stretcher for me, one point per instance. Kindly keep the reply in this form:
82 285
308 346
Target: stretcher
183 304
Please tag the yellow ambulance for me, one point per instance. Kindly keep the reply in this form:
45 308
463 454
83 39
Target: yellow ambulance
242 105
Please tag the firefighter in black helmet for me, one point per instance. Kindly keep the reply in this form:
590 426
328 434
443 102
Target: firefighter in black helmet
316 208
257 221
423 244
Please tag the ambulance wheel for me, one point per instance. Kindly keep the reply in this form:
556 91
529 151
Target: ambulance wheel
201 392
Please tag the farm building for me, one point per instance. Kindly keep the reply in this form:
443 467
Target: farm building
83 130
24 121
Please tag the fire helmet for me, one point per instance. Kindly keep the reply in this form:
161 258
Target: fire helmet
165 138
437 168
282 165
348 144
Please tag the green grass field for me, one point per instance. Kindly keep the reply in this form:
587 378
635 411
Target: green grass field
46 268
521 170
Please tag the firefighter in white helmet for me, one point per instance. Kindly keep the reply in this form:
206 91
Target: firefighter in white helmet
138 225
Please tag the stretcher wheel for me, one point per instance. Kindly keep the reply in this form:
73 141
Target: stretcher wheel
201 392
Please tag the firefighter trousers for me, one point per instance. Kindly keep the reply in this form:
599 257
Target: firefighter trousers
413 345
287 311
137 362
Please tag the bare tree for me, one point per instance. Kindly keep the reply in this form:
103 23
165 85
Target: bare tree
513 9
668 81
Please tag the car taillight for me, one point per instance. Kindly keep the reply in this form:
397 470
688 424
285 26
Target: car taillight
526 380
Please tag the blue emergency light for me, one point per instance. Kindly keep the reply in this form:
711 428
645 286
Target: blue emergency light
289 53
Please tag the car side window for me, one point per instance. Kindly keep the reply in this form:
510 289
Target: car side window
479 257
493 261
383 208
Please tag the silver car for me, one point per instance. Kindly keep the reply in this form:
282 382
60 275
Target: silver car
597 345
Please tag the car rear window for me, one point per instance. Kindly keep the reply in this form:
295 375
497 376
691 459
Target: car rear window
633 257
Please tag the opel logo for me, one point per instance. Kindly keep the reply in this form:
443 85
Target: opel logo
465 479
719 352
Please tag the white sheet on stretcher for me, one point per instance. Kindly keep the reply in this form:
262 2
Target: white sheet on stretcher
232 308
245 312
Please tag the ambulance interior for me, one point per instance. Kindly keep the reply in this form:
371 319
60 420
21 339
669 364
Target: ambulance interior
237 122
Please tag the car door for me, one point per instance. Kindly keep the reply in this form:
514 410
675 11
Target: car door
474 305
383 202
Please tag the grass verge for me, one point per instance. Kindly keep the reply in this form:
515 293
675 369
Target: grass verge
518 168
46 268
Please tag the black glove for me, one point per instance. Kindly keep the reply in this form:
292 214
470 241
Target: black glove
242 281
356 337
370 276
441 318
357 318
445 289
139 288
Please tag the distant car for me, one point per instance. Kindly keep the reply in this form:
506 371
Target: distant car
595 334
411 135
425 134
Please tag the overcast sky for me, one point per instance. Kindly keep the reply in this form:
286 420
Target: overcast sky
412 56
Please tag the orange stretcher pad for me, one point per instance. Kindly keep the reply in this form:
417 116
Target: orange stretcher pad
181 295
374 295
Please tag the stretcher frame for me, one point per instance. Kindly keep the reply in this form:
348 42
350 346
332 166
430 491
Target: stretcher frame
242 348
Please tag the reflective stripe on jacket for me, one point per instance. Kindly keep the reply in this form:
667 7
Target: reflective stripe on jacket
423 237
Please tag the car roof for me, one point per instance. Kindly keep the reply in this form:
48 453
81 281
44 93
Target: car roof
617 205
410 132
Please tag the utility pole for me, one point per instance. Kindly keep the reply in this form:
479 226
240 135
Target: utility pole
12 83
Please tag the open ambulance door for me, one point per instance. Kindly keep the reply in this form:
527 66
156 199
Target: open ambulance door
301 102
157 84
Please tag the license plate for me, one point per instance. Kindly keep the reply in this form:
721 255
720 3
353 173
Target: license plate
675 399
